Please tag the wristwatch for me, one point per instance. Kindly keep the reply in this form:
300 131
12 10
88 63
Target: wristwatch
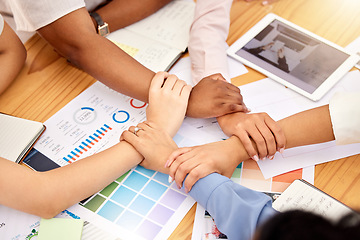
102 27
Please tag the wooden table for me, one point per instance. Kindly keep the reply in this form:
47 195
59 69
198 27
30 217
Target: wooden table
47 82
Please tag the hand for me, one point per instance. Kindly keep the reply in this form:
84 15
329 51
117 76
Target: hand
213 97
168 99
268 46
197 162
153 143
281 53
259 127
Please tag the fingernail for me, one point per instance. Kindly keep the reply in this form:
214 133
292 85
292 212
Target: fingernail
249 110
167 163
282 150
255 157
170 180
265 3
186 190
271 157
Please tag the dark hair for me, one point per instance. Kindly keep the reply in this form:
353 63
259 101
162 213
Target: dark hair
301 225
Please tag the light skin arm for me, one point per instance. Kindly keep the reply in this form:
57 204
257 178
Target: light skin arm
53 191
304 128
12 56
255 127
48 193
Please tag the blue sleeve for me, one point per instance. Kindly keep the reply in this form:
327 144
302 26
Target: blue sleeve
237 210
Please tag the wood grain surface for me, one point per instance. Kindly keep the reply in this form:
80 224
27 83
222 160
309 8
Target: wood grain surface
48 82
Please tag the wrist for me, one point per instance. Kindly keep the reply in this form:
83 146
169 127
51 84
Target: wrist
240 154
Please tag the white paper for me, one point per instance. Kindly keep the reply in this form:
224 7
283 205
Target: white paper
301 196
182 69
279 102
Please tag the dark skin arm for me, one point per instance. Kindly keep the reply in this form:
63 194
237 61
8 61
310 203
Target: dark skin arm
107 63
135 11
99 57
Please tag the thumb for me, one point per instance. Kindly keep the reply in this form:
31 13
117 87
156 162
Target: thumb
130 138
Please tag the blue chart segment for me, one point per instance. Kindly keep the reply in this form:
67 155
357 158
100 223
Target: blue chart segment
87 143
121 116
85 115
141 201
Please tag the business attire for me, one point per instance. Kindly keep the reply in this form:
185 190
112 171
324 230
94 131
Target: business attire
207 44
345 117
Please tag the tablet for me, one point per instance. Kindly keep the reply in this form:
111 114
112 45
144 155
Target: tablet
293 56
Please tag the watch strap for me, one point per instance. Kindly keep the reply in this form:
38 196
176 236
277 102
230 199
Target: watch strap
102 27
97 18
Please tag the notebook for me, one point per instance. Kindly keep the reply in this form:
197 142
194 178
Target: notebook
17 137
301 195
158 40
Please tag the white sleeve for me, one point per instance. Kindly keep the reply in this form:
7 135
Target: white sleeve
32 15
1 24
208 34
345 117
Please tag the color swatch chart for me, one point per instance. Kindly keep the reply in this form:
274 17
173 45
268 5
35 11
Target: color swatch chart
90 123
142 204
248 174
142 201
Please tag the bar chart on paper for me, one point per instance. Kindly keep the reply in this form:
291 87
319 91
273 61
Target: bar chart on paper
140 204
90 123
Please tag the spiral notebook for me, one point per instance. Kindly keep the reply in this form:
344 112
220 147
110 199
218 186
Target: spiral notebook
17 137
301 195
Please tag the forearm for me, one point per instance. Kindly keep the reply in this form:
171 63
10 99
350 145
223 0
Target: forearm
74 37
237 211
12 57
113 67
208 34
80 183
304 128
132 11
60 188
308 127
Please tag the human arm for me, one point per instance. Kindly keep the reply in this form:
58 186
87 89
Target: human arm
48 193
207 41
97 55
237 210
12 56
109 64
304 128
214 97
60 188
255 127
119 13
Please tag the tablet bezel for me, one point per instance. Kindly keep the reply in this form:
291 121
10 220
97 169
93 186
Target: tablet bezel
321 90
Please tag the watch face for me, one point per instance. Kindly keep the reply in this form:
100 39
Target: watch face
104 30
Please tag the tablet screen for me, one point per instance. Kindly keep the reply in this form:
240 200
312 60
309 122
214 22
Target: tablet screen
290 54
